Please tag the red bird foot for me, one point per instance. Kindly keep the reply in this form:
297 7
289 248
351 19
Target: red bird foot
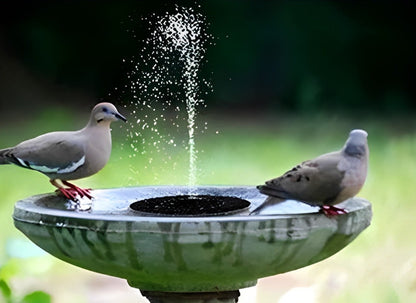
72 191
77 190
332 211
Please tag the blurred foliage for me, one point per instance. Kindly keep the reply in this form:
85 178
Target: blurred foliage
34 297
302 56
20 258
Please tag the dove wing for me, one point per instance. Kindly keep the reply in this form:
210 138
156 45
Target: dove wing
58 152
315 182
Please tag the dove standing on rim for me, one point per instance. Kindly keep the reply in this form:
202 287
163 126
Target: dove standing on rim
68 155
324 181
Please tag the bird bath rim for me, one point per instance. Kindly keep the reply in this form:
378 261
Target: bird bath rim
185 254
50 204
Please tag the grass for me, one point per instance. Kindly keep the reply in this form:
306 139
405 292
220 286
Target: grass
379 266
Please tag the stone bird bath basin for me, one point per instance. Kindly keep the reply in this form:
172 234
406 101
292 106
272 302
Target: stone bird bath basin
187 259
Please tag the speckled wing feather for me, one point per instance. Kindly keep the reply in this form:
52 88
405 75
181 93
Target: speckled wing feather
315 182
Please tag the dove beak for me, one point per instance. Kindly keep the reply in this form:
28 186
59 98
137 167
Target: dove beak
120 117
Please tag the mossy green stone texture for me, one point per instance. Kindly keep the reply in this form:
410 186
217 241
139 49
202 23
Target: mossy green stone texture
185 254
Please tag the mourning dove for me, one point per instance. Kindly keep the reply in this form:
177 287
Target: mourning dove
324 181
68 155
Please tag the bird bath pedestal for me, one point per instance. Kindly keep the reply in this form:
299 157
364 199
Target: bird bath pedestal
187 259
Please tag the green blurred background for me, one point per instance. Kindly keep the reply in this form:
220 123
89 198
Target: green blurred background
289 80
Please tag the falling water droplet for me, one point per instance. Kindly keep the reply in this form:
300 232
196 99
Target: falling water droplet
165 79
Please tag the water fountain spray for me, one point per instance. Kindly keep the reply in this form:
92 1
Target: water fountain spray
168 71
182 33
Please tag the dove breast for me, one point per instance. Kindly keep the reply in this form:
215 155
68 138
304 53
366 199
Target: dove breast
355 173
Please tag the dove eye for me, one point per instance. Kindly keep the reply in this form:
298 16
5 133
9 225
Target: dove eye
105 109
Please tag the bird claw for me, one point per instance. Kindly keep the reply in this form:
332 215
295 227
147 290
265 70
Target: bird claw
70 195
73 191
83 192
73 194
332 211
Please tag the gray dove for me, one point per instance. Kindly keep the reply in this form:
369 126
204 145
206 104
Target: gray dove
324 181
68 155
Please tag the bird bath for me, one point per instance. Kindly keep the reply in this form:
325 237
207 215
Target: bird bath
187 259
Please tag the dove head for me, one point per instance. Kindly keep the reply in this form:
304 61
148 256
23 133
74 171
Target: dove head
104 113
356 145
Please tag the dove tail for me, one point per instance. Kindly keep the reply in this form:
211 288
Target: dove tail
257 210
3 159
268 202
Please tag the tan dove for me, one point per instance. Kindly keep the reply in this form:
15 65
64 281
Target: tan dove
68 155
324 181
